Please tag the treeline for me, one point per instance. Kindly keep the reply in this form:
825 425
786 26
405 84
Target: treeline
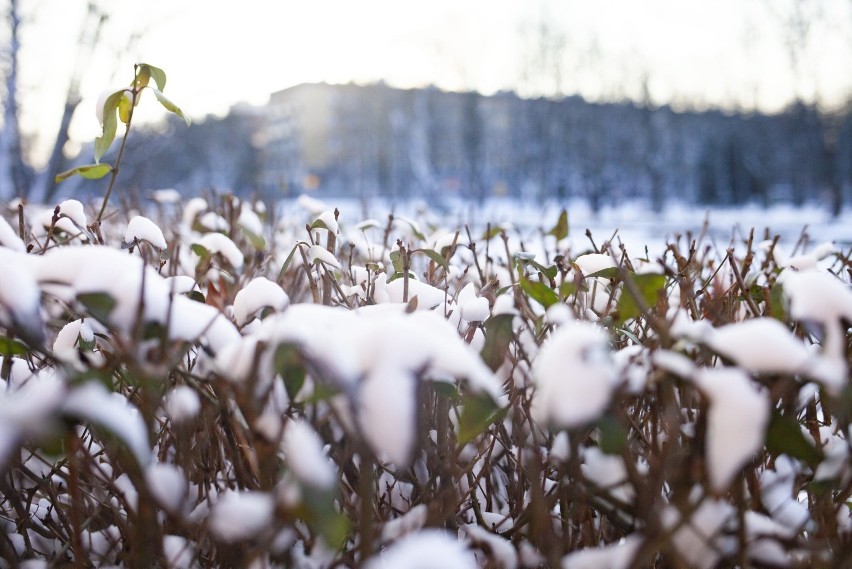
377 140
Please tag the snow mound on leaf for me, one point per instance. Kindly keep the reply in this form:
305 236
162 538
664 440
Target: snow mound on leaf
73 271
167 485
574 376
28 405
74 210
760 345
374 354
592 263
616 556
736 422
20 295
259 293
10 239
425 549
92 402
302 448
181 404
241 515
222 244
144 229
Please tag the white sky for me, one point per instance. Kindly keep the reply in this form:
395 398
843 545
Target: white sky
219 52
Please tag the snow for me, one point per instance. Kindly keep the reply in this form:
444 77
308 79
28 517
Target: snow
179 552
615 556
144 229
736 422
166 196
74 210
428 296
327 218
574 376
761 345
260 292
241 515
592 263
819 297
425 549
411 521
222 244
9 238
250 221
20 296
473 308
28 408
192 209
500 549
777 494
181 284
373 354
303 451
699 540
167 485
319 254
92 402
387 413
312 205
608 473
181 404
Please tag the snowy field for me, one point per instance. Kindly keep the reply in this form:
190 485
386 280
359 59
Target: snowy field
204 383
633 223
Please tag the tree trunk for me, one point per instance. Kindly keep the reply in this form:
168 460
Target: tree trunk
13 171
89 36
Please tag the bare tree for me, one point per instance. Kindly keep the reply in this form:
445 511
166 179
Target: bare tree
13 172
90 33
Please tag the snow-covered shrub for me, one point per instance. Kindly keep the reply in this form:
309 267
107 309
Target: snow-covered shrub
219 391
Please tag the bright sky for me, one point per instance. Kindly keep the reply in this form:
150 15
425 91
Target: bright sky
219 52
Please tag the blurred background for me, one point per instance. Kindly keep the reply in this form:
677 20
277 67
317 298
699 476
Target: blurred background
712 102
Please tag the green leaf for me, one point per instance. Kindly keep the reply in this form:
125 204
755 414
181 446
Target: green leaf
784 436
99 304
288 260
550 272
103 142
560 230
125 109
491 233
143 76
290 366
648 286
566 289
414 229
445 389
257 241
608 273
539 292
89 171
319 224
613 434
322 516
478 412
171 107
155 73
11 347
498 336
196 296
395 276
435 256
199 250
396 259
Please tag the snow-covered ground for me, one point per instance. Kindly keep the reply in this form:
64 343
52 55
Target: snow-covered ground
632 222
